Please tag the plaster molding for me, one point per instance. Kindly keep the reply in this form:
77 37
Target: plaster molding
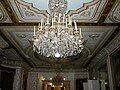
114 15
89 12
100 58
4 17
25 12
81 75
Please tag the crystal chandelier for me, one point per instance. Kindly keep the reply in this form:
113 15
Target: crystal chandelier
55 36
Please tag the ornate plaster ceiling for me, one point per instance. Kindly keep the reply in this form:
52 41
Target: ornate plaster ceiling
4 18
21 37
72 4
27 13
11 54
3 43
114 15
80 10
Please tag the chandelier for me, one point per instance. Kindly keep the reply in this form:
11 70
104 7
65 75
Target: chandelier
55 36
57 80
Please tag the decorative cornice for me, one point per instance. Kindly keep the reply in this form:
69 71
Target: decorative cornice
106 11
3 43
12 45
114 43
53 70
81 75
4 18
78 24
9 10
100 58
97 59
90 12
25 12
114 15
13 63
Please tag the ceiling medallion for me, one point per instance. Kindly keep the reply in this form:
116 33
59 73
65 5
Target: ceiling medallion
55 36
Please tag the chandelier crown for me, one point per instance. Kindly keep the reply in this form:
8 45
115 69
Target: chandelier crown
55 36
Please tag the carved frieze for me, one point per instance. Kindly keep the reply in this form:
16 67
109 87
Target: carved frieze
89 12
81 75
11 54
4 18
14 63
100 58
114 15
26 12
21 37
114 43
1 14
3 43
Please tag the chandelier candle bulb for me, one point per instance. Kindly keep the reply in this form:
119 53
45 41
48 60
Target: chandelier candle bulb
54 18
63 18
59 18
80 33
70 21
75 25
34 30
48 19
41 24
52 22
66 23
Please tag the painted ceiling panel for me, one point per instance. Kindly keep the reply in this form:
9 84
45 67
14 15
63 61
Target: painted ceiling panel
11 54
4 18
94 35
114 15
21 37
80 10
25 12
3 43
72 4
90 12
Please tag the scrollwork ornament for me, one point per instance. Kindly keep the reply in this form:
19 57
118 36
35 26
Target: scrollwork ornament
1 15
116 14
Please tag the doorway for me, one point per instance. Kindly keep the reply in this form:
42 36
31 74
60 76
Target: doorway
79 83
